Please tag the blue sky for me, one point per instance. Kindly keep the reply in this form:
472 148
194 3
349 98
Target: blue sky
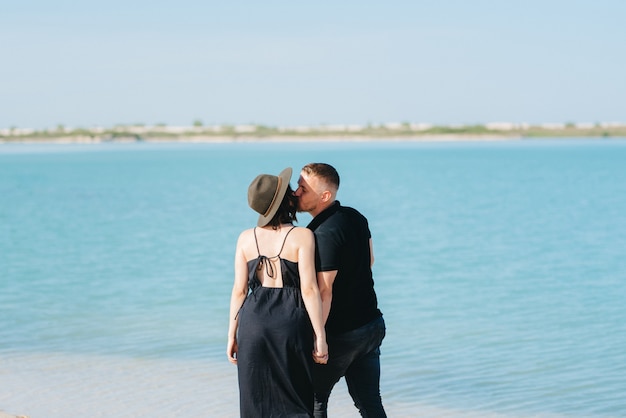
97 63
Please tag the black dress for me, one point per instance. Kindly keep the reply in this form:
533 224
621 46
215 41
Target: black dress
275 341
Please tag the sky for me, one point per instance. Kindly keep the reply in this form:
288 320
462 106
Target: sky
289 63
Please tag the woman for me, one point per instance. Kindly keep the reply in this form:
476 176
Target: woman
274 327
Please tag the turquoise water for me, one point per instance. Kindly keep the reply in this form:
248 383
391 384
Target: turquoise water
499 267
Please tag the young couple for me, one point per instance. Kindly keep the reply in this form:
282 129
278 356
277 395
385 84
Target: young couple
303 310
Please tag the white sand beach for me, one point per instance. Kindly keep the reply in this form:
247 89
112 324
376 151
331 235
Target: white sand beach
59 385
65 140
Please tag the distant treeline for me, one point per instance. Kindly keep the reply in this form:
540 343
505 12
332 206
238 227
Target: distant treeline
197 130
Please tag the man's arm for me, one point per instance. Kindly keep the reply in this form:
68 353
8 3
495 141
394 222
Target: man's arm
325 280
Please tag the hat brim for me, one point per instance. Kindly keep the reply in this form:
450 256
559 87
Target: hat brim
284 178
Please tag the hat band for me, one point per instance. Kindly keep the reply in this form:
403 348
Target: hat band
269 208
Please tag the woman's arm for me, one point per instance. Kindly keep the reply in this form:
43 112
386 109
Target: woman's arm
240 290
311 293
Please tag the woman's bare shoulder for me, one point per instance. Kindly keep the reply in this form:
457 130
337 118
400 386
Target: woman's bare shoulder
245 236
302 233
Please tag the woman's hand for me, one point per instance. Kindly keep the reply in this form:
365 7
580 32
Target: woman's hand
231 350
320 351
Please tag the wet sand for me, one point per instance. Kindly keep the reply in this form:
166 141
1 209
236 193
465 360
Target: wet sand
60 385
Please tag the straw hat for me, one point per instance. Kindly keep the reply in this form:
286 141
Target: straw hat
266 192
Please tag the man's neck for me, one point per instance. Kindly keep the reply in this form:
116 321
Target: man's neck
323 208
322 215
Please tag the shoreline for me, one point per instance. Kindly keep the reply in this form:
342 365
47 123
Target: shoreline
55 385
295 139
246 139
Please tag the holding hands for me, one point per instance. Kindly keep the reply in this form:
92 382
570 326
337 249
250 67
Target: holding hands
320 351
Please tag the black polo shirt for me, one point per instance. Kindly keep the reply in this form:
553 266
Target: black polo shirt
342 243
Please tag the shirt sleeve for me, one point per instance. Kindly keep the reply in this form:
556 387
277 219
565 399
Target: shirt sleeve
327 250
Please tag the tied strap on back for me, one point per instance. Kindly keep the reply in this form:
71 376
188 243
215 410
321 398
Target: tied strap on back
269 267
264 261
267 261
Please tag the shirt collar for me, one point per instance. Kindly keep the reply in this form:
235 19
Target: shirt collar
323 215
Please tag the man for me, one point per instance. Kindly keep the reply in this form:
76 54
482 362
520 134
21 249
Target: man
354 325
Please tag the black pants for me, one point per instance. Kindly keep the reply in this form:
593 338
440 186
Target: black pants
355 355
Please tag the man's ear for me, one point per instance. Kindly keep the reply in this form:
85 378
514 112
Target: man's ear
326 195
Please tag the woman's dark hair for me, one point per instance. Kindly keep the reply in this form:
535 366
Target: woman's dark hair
286 213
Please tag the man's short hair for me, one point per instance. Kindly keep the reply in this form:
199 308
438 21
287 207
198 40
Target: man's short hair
324 171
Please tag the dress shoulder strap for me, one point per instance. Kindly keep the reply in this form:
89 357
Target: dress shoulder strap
284 241
264 260
256 241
